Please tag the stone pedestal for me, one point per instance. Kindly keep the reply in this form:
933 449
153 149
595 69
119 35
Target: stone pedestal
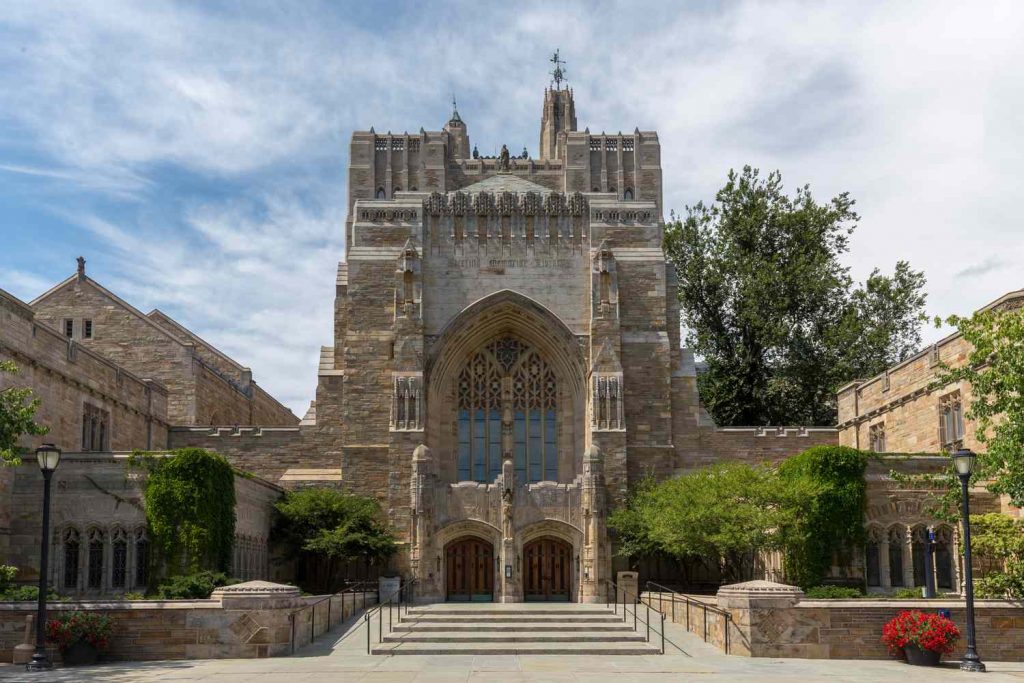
255 620
24 650
761 616
629 588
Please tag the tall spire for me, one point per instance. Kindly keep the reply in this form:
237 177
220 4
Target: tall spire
455 112
558 75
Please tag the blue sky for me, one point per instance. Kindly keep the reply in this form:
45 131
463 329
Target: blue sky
195 152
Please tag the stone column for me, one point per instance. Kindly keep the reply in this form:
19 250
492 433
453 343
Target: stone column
420 525
884 577
510 585
762 623
592 501
908 557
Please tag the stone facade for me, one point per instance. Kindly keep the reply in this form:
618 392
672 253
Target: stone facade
204 386
506 356
98 526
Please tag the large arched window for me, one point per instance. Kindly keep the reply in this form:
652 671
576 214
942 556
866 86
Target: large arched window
896 556
507 373
873 559
918 549
72 549
944 557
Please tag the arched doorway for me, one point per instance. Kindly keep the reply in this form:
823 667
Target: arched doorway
469 570
547 574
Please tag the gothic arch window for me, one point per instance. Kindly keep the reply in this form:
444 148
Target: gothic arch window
72 553
119 559
628 194
896 542
141 557
94 566
397 189
381 194
507 374
918 548
944 557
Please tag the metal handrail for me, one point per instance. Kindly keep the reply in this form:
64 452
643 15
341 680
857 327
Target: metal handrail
636 616
407 589
359 586
688 601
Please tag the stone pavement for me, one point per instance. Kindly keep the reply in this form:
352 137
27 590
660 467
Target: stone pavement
340 657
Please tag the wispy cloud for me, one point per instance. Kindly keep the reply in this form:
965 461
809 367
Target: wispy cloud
197 150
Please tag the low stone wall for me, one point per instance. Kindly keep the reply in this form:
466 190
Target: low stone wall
247 620
774 620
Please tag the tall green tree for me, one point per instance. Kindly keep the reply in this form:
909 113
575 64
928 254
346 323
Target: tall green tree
771 309
995 371
327 528
17 416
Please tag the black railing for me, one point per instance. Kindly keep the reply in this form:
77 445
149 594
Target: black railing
362 587
629 602
674 598
404 596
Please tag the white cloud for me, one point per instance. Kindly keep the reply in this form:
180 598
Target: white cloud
222 135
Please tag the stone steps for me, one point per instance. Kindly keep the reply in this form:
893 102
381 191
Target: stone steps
489 629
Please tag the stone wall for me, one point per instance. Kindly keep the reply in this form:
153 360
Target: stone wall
248 620
68 377
774 620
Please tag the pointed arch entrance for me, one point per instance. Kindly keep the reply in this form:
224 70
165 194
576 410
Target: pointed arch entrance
469 570
547 570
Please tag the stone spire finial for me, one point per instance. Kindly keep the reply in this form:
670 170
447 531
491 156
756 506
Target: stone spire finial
455 112
81 267
558 75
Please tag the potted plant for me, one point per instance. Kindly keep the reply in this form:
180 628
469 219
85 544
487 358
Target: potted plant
80 636
921 637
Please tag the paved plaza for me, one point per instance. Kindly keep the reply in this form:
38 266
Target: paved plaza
340 656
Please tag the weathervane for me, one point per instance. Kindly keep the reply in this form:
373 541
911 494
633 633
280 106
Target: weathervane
558 75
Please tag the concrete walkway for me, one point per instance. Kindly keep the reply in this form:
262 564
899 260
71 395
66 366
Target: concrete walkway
340 657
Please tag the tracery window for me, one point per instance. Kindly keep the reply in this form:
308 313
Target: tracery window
95 566
71 555
944 557
507 373
918 549
873 560
119 559
951 422
895 557
141 558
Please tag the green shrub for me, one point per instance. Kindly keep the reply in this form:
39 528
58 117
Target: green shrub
7 574
832 593
196 586
134 596
27 594
907 593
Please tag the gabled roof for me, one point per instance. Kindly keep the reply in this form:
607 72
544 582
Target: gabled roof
163 319
506 182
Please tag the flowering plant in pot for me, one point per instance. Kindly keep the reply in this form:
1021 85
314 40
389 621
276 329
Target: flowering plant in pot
80 636
923 638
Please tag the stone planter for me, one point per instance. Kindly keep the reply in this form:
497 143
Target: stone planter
80 654
920 657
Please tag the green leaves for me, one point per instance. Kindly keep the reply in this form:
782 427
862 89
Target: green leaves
995 372
190 509
809 507
772 310
17 417
332 525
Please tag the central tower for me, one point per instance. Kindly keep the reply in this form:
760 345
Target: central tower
559 115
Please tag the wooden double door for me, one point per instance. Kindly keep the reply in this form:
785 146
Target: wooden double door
469 568
548 570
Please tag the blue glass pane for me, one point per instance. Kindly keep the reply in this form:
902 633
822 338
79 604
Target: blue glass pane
534 446
463 445
494 446
550 447
519 439
479 446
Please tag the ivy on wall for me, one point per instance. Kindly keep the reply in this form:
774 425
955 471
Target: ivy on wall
190 510
831 520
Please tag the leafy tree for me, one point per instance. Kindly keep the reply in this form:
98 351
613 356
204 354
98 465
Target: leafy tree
190 509
997 542
726 512
831 517
995 371
328 527
629 523
771 309
17 417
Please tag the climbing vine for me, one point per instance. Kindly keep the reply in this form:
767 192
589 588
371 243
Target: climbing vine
190 509
831 520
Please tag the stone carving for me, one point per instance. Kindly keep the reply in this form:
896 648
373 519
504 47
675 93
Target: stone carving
506 514
503 159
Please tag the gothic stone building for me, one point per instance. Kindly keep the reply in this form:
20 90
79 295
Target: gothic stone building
506 358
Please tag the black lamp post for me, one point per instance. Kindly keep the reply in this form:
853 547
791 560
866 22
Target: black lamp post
963 461
48 456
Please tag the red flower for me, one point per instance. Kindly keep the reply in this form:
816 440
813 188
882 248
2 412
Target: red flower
926 631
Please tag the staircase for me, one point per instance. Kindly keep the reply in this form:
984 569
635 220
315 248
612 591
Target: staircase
514 629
